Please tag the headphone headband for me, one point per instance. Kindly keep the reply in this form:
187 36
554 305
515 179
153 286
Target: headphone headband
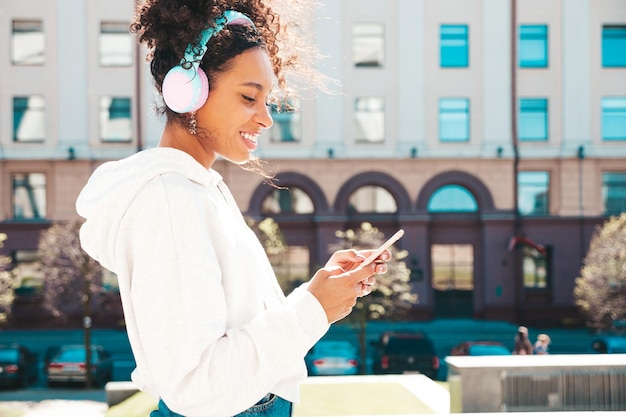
186 87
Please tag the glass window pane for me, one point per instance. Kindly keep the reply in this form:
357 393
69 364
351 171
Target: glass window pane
452 198
533 46
454 47
291 266
29 196
453 267
614 46
454 119
289 200
368 44
115 121
287 125
614 192
535 266
533 119
372 199
29 119
533 193
28 43
116 44
614 118
369 119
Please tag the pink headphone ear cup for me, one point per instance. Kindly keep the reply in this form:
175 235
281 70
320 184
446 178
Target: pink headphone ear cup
185 90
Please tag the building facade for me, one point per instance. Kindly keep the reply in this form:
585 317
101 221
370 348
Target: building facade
493 132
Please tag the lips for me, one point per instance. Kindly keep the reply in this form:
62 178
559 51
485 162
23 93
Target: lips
250 140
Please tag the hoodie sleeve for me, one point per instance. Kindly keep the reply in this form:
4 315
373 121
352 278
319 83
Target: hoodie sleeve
187 260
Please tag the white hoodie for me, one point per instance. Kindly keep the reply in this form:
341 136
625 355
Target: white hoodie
210 329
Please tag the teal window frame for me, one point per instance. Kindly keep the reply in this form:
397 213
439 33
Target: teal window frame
454 46
454 119
533 46
614 46
533 123
614 192
613 118
533 196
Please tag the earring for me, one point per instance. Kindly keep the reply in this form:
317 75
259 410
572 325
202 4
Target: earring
191 123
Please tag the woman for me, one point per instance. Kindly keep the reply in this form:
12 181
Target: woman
210 329
541 346
522 345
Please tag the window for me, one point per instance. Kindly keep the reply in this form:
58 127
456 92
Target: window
452 198
287 126
291 200
28 43
369 118
454 48
368 44
613 46
29 275
614 118
116 44
453 267
533 119
371 199
535 268
115 121
533 193
533 46
29 119
29 196
454 120
614 192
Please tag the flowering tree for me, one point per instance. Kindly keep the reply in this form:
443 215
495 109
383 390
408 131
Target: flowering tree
7 283
600 290
391 297
73 280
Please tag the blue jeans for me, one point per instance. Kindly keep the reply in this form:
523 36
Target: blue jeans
270 406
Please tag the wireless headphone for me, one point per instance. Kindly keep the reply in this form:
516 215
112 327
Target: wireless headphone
186 86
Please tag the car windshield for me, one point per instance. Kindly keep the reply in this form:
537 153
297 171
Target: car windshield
408 344
73 355
487 350
8 355
334 348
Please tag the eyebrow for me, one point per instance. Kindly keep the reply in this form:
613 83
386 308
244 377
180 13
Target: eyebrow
256 85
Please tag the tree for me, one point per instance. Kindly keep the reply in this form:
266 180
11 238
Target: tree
73 283
7 283
391 297
271 238
600 290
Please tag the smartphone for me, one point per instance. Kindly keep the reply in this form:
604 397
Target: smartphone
383 247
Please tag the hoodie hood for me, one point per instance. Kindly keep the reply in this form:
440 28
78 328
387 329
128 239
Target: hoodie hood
112 187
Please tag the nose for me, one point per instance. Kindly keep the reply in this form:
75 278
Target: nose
263 116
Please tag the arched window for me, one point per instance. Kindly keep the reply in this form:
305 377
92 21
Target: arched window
452 198
292 200
372 199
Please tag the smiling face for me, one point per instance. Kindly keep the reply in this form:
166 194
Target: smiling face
235 112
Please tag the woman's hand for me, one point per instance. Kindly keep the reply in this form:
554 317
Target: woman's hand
343 280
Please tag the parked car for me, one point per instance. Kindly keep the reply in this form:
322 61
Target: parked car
609 344
18 366
68 365
480 348
404 352
333 357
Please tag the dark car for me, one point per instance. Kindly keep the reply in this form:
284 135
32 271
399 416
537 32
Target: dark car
480 348
404 352
69 365
609 344
332 357
18 366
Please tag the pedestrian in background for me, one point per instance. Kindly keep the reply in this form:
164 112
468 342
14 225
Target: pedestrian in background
210 329
522 345
541 345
